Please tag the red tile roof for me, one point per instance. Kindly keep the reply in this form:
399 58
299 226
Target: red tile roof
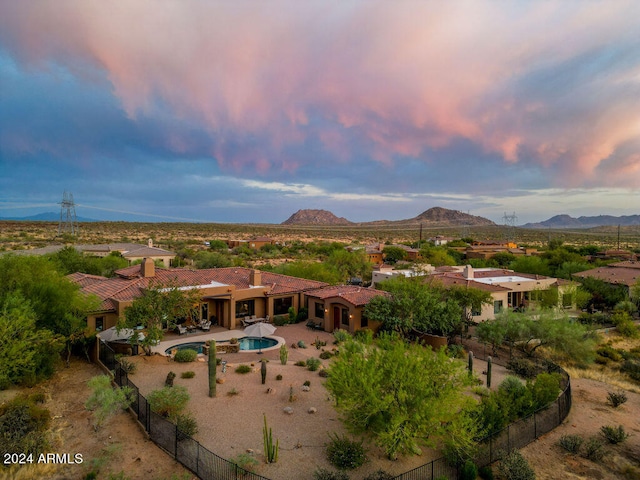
621 273
357 296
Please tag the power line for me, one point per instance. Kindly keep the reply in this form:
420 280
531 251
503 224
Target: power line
68 220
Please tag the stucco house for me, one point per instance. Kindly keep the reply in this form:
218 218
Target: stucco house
626 274
227 295
342 307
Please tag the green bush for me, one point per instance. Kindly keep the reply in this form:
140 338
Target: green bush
614 435
615 399
379 475
128 366
571 443
186 424
243 369
185 355
341 335
323 373
523 367
326 355
515 467
631 368
313 363
486 473
593 449
456 351
280 320
23 426
628 329
364 335
307 383
609 352
169 401
245 461
468 471
300 363
324 474
344 453
301 344
189 374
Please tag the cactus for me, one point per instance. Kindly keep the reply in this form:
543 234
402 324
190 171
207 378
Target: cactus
169 380
270 450
489 372
284 354
263 371
470 364
212 369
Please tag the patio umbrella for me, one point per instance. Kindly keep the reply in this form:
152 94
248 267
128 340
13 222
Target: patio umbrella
112 334
260 329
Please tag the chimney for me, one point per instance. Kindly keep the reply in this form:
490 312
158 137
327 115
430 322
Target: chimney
148 268
255 278
468 272
150 243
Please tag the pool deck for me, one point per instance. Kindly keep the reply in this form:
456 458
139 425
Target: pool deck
219 334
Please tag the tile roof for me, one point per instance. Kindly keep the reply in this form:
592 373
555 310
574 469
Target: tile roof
621 273
457 279
357 296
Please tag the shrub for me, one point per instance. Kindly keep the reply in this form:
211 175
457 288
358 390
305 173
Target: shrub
300 363
571 443
307 383
301 344
609 352
186 355
278 377
245 461
233 392
129 367
486 473
313 363
631 368
614 435
324 474
627 328
515 467
168 382
189 374
468 471
323 373
523 367
379 475
456 351
243 369
23 426
326 355
169 401
105 401
186 424
280 320
344 453
364 335
341 335
593 449
615 399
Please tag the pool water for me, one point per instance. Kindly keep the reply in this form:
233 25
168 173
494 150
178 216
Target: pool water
246 344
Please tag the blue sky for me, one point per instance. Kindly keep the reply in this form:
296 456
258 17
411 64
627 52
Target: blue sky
248 111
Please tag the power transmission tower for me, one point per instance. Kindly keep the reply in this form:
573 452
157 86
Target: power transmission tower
510 226
68 221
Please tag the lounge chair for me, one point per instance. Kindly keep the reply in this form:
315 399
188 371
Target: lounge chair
181 329
205 325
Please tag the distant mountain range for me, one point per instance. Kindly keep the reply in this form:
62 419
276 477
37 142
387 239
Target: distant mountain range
46 217
435 216
567 221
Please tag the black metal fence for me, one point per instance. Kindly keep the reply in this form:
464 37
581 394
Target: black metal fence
209 466
201 461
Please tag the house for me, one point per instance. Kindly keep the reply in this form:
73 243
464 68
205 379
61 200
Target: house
625 273
487 250
382 272
227 295
255 243
508 289
341 306
374 253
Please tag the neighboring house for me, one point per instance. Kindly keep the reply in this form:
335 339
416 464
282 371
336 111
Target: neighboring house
342 307
374 253
255 243
625 273
383 272
440 240
487 250
508 289
131 251
227 294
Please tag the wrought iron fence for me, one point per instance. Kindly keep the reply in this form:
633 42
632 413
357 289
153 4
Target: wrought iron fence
209 466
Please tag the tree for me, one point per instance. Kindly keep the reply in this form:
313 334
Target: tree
393 254
105 401
218 246
349 264
533 265
436 256
73 326
26 353
399 393
212 260
470 299
604 296
309 270
159 308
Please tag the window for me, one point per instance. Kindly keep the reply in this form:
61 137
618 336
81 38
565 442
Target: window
99 324
476 311
204 311
497 306
319 310
281 305
345 317
245 308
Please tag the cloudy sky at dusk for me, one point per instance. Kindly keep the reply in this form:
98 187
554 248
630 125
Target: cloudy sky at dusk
246 111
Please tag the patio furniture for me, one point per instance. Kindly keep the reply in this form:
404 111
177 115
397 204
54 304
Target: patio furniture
181 329
205 325
315 326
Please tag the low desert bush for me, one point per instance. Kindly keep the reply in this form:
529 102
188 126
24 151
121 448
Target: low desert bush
243 369
300 363
23 426
613 434
468 471
280 320
313 363
233 392
324 474
185 355
631 368
278 377
326 355
245 461
615 399
341 335
593 449
515 467
379 475
523 367
189 374
301 344
128 366
169 401
344 453
186 424
323 373
571 443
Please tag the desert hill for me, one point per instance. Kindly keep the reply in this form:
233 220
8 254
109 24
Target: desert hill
567 221
315 217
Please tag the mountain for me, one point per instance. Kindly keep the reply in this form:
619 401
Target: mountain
441 217
567 221
315 217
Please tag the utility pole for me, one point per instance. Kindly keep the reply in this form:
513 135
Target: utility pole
510 226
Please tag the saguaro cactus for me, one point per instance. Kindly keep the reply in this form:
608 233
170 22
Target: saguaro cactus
284 354
470 363
489 372
263 371
212 369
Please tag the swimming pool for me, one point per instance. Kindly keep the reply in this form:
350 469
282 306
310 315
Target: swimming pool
246 344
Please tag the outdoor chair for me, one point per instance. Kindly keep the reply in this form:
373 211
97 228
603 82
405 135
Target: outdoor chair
181 329
205 325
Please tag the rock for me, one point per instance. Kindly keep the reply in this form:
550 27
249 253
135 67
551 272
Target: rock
221 380
305 388
250 451
271 391
312 410
288 410
293 345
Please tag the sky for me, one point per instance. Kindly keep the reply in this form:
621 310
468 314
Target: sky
246 111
